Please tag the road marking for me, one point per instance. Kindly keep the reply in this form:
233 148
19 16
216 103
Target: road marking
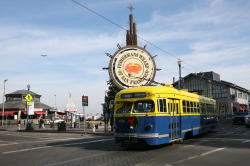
212 151
245 141
77 159
51 140
60 139
200 155
225 139
14 143
43 147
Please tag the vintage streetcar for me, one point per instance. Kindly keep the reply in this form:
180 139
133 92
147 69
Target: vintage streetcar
161 114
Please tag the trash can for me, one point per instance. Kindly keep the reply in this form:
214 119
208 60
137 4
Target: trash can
52 125
75 124
61 126
29 126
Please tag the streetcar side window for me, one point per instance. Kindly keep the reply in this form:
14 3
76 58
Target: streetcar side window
143 106
125 108
203 108
195 107
162 105
184 105
188 106
206 108
199 107
177 108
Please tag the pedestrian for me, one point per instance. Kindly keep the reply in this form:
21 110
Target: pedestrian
19 125
42 123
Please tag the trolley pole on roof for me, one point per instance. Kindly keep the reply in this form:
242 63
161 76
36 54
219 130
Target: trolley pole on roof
179 64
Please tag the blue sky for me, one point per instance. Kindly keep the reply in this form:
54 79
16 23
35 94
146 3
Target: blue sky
206 34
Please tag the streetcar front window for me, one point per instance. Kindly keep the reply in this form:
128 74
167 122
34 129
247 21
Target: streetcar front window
143 106
125 108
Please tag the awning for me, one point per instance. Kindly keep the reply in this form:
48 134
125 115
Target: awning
8 112
243 108
61 113
71 110
40 112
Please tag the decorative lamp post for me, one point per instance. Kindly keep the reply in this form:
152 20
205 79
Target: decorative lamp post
55 102
179 64
4 82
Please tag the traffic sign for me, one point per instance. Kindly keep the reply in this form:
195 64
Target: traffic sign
28 103
28 97
85 100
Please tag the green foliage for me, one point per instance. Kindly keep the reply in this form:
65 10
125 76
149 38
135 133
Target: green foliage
110 96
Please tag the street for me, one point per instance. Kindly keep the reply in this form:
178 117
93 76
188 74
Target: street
227 145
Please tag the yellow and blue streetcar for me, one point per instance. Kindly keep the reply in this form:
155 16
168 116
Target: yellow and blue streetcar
161 114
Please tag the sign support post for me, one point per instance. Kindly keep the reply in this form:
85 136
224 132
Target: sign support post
28 98
84 120
84 103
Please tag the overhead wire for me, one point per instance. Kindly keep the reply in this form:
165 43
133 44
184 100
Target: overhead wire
116 24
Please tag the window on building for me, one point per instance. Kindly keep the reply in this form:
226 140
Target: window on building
239 94
13 99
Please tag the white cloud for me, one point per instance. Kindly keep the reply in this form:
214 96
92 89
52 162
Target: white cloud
209 36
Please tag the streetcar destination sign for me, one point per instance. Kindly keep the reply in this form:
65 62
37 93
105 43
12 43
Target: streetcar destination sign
132 66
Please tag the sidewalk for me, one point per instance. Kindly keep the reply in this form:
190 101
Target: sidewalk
48 129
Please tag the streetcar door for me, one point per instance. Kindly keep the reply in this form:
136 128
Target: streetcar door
174 120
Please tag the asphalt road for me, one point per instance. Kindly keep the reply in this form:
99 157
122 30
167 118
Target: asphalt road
227 145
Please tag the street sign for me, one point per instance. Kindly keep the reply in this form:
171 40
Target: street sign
85 100
31 108
28 97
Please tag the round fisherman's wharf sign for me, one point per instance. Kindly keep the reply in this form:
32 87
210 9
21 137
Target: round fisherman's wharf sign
132 66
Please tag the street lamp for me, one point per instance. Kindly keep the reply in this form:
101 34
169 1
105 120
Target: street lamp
4 82
179 64
55 102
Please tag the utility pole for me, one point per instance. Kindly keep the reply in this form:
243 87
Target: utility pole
4 82
179 82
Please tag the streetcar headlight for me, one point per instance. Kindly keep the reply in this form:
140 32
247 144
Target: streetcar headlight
131 127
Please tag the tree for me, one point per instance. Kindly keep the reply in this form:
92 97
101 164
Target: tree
109 101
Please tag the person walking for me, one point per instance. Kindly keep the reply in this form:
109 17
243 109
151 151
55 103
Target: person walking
19 125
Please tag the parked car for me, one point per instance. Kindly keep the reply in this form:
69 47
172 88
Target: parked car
247 120
90 119
239 119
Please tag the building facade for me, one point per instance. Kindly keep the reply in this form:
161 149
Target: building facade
230 98
15 106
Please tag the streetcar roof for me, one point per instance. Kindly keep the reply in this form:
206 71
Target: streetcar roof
168 89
